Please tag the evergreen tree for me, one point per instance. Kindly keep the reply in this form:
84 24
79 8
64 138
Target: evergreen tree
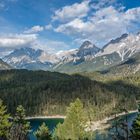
121 128
74 125
136 127
4 122
43 133
20 128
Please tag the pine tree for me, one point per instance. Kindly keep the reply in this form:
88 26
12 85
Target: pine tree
121 128
74 125
4 122
20 127
136 126
43 133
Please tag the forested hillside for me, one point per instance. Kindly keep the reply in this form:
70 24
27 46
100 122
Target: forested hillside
48 93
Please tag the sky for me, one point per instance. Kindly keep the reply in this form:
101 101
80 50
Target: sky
57 25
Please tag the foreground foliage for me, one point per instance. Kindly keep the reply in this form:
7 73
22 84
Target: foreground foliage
122 130
136 127
74 125
4 122
20 127
13 128
43 133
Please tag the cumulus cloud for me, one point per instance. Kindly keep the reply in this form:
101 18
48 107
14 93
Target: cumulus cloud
77 10
16 40
34 29
76 27
133 14
10 42
99 4
104 24
48 27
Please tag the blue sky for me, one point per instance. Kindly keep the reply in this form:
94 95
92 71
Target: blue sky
55 25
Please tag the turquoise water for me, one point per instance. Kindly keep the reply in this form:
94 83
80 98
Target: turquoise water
51 123
98 135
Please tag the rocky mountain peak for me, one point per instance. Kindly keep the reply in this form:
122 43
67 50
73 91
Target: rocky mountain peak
86 44
87 49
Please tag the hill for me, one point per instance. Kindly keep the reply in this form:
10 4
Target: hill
48 93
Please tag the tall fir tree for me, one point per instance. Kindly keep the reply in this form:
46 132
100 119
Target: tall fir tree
74 125
136 126
20 127
4 122
43 133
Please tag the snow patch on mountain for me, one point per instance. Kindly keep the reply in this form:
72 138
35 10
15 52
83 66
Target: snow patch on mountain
125 46
22 57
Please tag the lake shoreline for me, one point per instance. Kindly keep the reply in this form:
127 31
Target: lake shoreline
103 124
63 117
92 126
46 117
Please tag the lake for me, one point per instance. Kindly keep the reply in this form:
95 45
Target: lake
51 123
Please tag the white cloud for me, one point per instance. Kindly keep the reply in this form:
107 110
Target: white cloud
76 27
77 10
104 24
48 27
133 14
10 42
34 29
99 4
16 40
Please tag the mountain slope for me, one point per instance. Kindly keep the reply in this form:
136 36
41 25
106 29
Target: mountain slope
98 63
127 67
4 66
28 58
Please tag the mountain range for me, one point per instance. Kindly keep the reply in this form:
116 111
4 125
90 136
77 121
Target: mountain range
88 57
115 52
